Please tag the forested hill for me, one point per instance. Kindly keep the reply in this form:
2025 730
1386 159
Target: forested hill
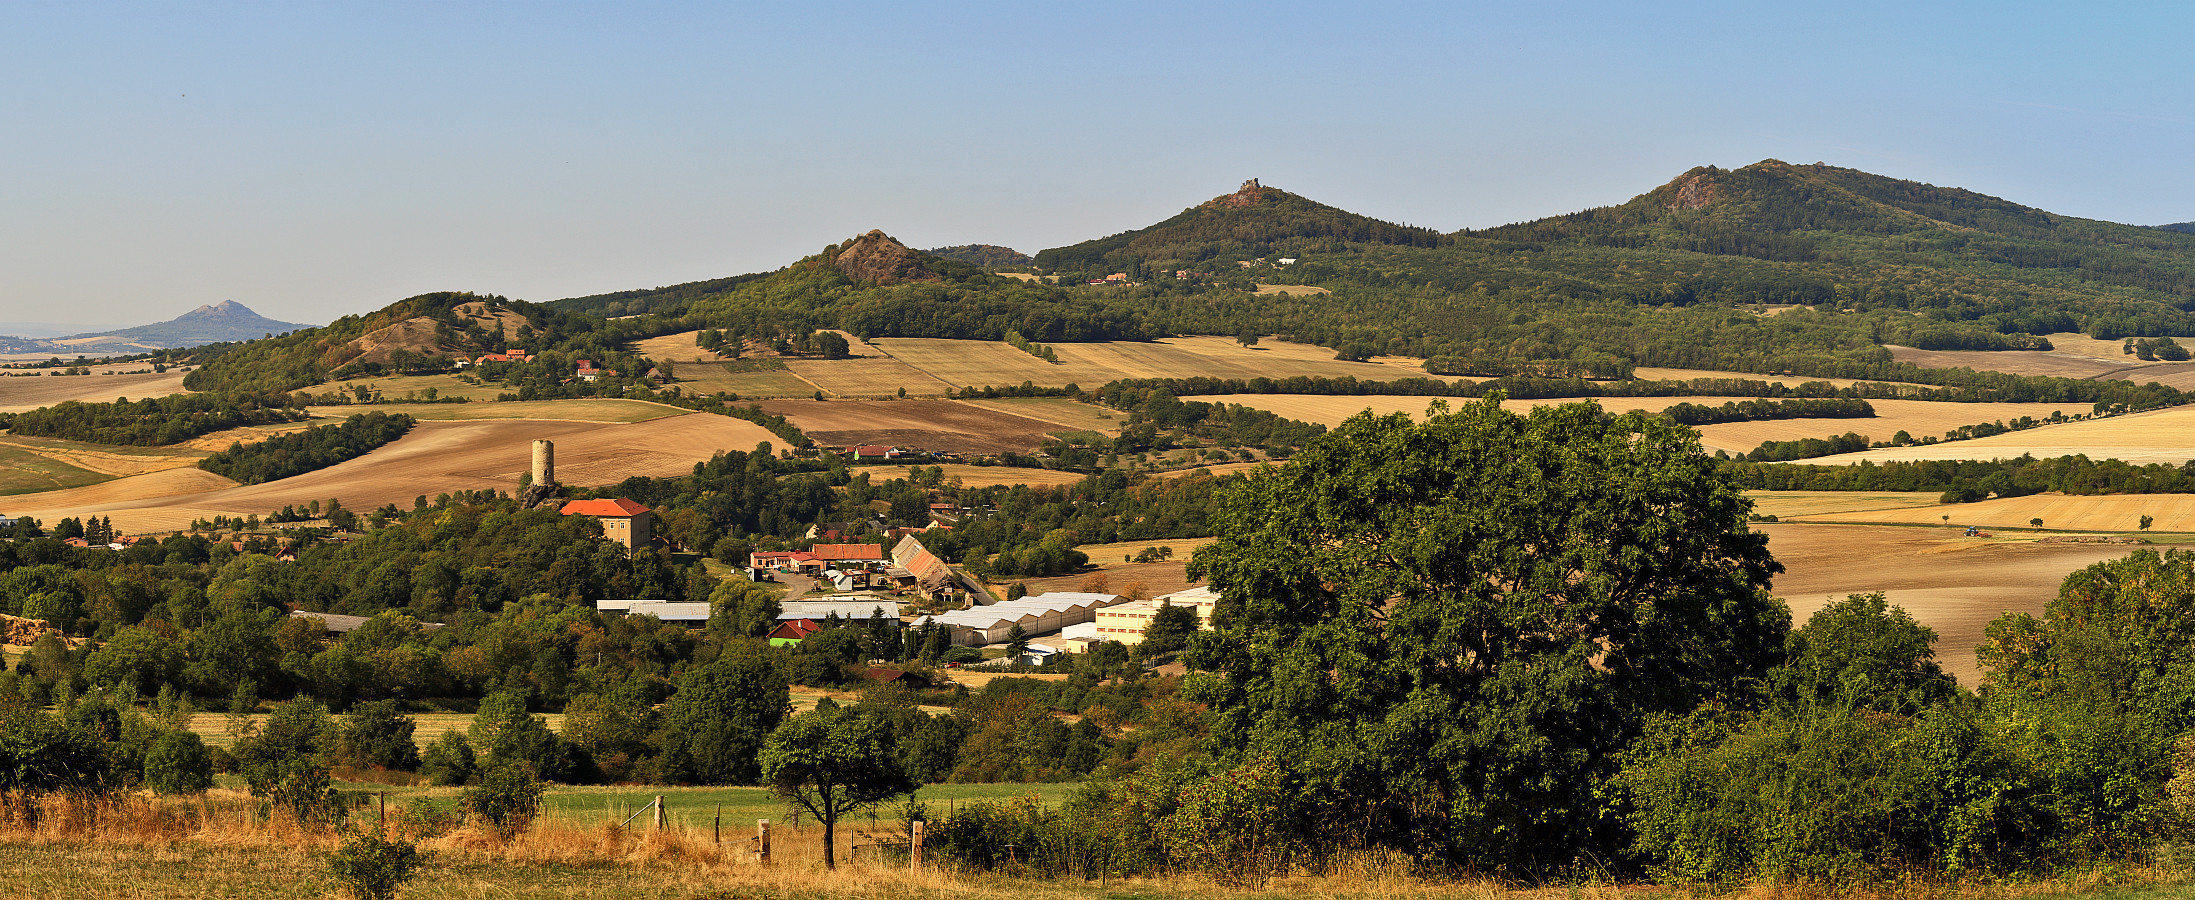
2181 227
1256 221
651 300
874 286
987 256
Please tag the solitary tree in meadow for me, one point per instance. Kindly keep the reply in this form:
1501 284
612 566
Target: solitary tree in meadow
2035 522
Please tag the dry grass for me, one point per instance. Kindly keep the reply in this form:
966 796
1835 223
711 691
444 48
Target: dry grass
1788 504
867 377
408 387
1649 373
678 347
2073 355
1299 289
22 393
215 847
710 378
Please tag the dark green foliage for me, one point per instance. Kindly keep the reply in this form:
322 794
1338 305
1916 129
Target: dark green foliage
376 734
507 797
986 256
2119 637
1863 653
1169 629
179 763
1807 448
720 716
314 448
507 734
449 760
1254 222
155 421
39 752
1481 608
1758 410
372 867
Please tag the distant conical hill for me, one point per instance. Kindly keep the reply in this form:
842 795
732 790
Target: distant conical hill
225 321
1255 221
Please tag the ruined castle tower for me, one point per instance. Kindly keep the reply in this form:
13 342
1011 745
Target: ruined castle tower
544 462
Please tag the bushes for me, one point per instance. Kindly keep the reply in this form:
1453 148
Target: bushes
314 448
507 797
179 763
372 867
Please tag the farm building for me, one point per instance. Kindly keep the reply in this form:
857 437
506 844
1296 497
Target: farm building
792 631
854 609
690 613
623 520
1036 614
1125 623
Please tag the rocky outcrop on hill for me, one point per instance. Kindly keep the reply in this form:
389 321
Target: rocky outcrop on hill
878 259
1243 198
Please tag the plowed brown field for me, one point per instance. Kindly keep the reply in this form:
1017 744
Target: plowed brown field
436 457
22 393
1954 585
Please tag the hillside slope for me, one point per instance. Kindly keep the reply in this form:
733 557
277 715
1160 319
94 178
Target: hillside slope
1254 221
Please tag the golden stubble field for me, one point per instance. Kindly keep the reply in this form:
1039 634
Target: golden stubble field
23 393
2162 436
2072 355
1919 417
987 363
436 457
947 425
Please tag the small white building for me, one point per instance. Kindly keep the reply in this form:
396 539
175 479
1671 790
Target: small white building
1126 623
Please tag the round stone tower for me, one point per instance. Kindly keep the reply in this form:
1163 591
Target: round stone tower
544 463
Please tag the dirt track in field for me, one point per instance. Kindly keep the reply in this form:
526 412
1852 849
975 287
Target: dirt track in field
436 457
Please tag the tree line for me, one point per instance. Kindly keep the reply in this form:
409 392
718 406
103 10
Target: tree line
315 448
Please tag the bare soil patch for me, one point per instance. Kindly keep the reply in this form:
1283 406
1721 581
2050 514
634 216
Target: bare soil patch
23 393
436 457
946 425
1070 415
1954 585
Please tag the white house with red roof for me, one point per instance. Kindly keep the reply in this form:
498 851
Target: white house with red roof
623 520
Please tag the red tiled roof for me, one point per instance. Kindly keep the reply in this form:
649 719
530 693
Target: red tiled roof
872 450
848 551
618 508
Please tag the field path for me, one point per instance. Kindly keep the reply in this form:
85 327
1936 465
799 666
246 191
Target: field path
435 458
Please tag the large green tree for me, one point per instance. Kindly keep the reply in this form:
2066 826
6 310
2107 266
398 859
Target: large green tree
722 712
833 761
1447 628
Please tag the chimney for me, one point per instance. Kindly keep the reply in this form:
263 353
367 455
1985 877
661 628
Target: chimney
544 463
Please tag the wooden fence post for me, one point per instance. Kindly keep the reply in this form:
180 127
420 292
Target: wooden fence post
914 850
659 817
716 826
762 840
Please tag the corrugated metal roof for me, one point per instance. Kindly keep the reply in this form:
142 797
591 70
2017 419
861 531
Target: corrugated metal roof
846 609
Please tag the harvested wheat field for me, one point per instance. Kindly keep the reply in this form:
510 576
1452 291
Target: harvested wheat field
588 410
2161 436
743 378
1918 417
1953 584
978 476
946 425
23 393
2059 512
1788 504
1649 373
986 363
678 347
436 457
871 377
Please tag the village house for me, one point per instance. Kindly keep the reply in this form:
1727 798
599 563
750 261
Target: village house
623 520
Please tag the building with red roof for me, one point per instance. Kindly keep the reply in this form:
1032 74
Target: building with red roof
623 520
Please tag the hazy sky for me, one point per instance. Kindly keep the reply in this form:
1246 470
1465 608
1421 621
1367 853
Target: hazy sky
315 159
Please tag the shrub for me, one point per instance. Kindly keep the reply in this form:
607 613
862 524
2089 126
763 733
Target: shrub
507 797
179 763
374 868
375 735
448 761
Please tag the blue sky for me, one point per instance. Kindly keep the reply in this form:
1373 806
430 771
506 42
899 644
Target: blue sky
315 159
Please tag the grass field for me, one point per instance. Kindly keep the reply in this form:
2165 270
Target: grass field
586 410
696 807
412 387
1918 417
24 471
22 393
436 457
